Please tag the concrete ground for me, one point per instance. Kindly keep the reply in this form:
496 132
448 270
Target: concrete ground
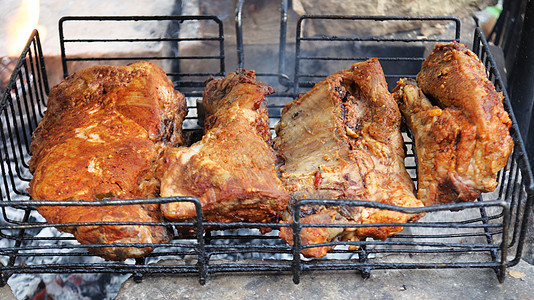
387 284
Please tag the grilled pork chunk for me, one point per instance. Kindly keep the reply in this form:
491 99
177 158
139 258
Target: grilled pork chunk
463 140
342 140
104 128
232 169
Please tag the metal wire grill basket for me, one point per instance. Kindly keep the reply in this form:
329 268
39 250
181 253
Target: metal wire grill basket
487 233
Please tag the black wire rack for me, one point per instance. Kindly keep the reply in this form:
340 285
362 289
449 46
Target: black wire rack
487 233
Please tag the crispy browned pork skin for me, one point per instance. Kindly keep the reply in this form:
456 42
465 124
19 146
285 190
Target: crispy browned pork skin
342 140
232 169
463 139
103 130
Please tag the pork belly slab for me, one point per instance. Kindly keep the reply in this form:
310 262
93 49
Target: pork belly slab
462 136
101 135
342 140
232 169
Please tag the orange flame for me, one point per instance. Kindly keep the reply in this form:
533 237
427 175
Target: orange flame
21 26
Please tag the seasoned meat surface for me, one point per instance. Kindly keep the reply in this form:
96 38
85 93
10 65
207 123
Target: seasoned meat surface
462 140
342 140
104 128
232 169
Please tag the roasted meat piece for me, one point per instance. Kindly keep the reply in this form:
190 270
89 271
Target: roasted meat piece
232 169
101 135
463 139
342 140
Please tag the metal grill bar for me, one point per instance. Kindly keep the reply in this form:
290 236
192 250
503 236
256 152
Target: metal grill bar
173 62
481 48
283 79
302 55
367 39
163 39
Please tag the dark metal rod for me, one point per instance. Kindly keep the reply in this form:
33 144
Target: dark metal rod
24 114
203 258
138 18
18 241
62 48
522 233
501 271
239 34
11 127
418 59
297 246
222 67
368 39
33 106
162 39
283 79
143 57
519 146
42 67
513 192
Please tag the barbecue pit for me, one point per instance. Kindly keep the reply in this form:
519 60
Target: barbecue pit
490 232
